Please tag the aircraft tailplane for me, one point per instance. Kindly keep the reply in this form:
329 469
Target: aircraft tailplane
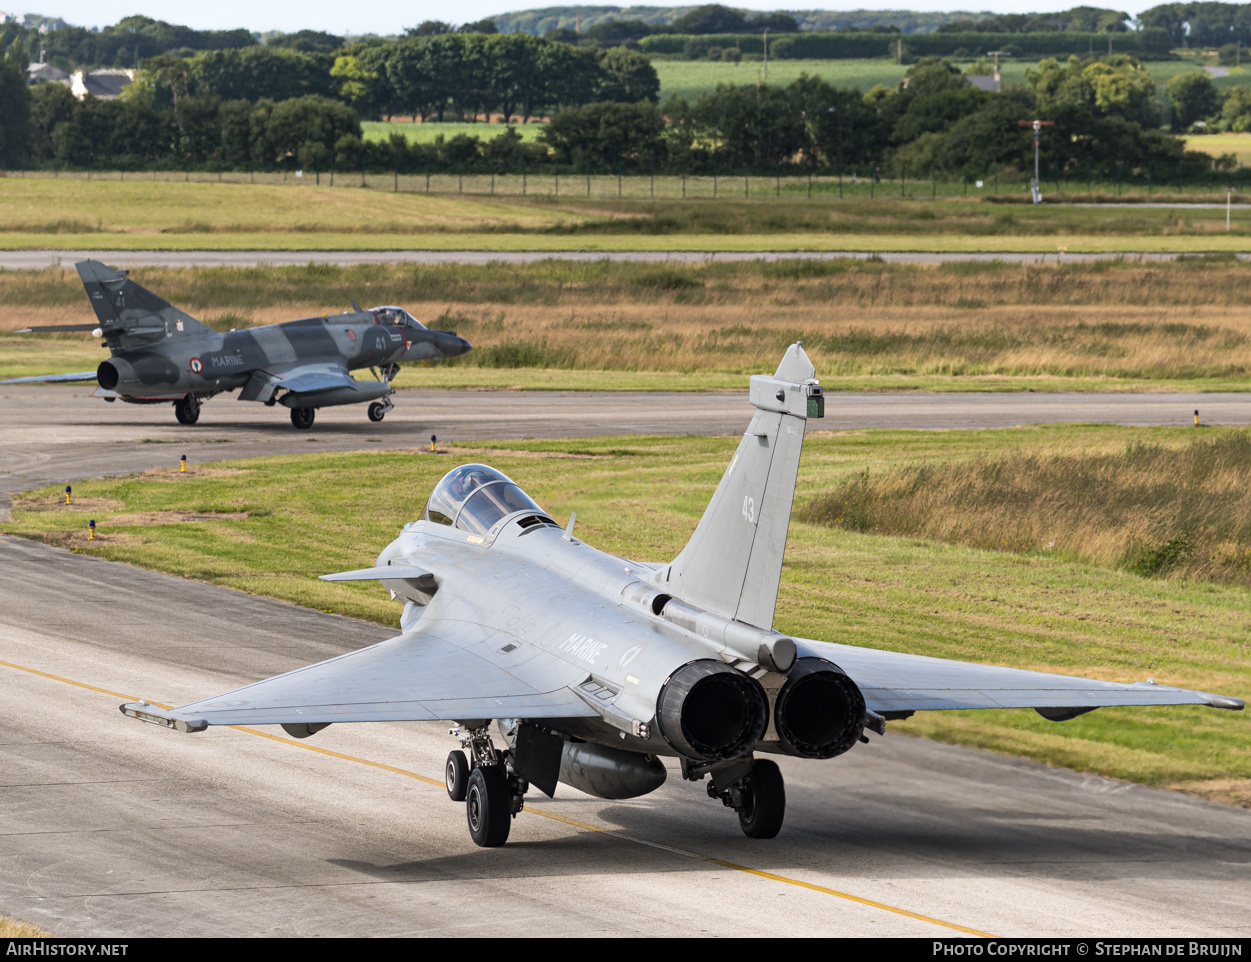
126 309
733 563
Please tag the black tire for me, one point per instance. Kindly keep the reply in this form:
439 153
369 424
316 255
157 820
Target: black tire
186 410
764 801
377 411
486 806
456 774
302 418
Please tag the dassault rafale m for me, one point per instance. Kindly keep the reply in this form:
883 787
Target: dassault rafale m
160 354
595 667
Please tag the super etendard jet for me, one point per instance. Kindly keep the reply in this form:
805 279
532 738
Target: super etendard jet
161 354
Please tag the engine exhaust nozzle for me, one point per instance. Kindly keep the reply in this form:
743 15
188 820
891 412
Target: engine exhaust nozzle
709 711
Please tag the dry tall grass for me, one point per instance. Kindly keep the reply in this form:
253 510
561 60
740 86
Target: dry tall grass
1117 320
1150 509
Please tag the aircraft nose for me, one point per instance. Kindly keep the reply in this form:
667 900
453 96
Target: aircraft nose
452 346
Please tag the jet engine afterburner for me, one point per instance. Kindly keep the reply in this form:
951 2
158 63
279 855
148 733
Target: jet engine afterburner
819 712
709 711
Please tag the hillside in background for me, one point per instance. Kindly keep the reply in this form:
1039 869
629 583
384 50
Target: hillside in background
542 19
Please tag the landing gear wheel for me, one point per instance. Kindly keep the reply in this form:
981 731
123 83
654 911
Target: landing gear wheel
186 409
456 774
487 808
377 411
764 801
302 418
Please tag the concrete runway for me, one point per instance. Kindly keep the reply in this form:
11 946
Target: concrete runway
58 434
34 260
113 828
109 827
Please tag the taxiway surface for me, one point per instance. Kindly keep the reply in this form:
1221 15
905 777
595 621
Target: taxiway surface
109 827
58 435
34 260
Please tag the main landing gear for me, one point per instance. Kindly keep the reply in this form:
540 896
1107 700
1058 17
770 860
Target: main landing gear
302 418
753 788
492 792
186 409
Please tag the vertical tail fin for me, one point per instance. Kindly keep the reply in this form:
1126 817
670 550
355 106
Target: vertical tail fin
124 308
733 563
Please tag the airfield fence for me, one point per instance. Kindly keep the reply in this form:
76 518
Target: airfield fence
852 182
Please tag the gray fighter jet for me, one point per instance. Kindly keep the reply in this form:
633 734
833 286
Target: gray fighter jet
161 354
596 667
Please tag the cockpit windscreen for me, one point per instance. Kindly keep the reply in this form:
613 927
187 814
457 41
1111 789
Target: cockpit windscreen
396 317
473 497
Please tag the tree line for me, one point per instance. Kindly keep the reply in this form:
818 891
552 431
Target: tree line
1106 111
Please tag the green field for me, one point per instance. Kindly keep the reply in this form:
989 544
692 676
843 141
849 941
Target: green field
1227 143
376 130
547 211
690 78
641 497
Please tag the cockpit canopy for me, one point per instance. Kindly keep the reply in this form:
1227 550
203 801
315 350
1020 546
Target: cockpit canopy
396 317
473 497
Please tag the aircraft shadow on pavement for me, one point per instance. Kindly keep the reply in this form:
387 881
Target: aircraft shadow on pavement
866 846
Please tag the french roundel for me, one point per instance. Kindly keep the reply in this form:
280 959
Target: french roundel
196 365
630 654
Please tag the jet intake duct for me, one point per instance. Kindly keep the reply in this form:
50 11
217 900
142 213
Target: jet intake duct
709 711
819 712
609 772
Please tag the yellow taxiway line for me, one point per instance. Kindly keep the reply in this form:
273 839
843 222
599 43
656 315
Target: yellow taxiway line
708 859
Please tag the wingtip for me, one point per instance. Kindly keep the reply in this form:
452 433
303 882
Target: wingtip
144 712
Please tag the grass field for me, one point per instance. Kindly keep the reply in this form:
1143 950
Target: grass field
580 325
580 213
1217 144
1147 509
641 497
690 78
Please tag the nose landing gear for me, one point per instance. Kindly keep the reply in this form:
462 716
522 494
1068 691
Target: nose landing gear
378 410
302 418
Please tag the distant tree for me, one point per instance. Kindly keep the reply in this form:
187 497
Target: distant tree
1114 86
1194 97
479 26
429 28
254 72
50 105
16 129
628 77
235 122
308 41
932 96
777 22
610 33
319 121
711 18
563 35
605 135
